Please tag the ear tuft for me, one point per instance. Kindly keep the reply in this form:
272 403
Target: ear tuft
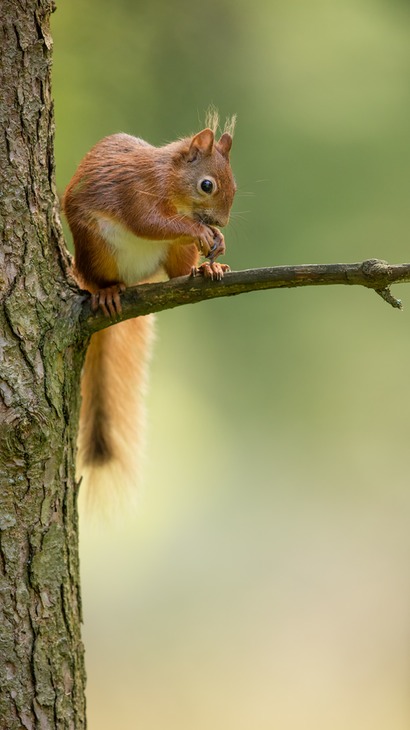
202 144
224 145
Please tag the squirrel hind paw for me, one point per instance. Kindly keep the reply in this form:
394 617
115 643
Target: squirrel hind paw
108 300
210 270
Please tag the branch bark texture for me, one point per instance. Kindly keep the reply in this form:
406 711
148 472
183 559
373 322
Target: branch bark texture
147 298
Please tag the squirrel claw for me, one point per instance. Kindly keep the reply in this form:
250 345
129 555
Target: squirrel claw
108 300
210 270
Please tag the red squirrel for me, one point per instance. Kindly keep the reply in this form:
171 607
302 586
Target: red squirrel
138 213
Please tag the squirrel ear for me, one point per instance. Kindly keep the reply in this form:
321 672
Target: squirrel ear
202 143
224 145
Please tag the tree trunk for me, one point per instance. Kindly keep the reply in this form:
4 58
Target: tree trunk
42 674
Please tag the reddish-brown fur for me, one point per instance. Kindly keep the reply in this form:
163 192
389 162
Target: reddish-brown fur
124 194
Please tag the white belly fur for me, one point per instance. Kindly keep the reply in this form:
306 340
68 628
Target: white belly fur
138 259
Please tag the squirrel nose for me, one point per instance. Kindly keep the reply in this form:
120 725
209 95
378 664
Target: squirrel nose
213 220
221 220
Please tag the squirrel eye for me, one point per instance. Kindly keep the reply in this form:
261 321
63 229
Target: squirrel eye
207 186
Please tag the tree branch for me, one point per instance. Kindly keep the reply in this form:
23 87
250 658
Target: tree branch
146 298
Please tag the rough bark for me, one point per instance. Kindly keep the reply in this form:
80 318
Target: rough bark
41 656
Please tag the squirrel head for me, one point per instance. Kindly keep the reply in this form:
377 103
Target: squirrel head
204 185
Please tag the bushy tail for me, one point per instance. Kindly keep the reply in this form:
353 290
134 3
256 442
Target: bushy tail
111 433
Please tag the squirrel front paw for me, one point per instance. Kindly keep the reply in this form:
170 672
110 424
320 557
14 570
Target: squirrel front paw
108 300
211 242
218 248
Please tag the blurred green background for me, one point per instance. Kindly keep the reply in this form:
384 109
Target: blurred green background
263 582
